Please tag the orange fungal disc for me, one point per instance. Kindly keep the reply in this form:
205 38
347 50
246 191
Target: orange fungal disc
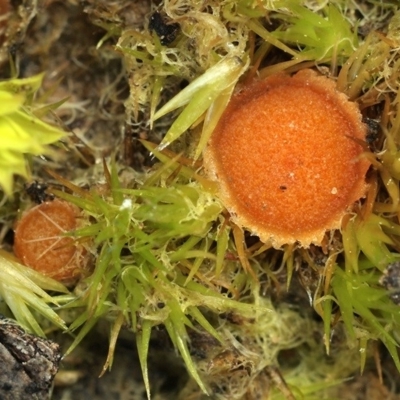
287 158
40 242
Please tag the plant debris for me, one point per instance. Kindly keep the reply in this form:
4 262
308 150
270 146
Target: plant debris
28 363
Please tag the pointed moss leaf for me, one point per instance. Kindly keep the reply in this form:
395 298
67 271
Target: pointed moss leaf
27 85
327 317
218 75
199 95
12 274
142 343
199 317
201 101
372 240
22 313
373 321
43 111
115 330
393 350
213 115
89 323
269 37
174 331
24 297
222 247
350 245
341 284
19 291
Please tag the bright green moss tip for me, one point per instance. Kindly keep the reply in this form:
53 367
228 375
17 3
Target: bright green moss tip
24 291
22 133
320 37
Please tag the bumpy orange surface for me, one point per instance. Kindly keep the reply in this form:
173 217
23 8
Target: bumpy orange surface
39 242
285 160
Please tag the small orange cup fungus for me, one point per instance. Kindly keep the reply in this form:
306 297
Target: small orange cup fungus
287 156
40 244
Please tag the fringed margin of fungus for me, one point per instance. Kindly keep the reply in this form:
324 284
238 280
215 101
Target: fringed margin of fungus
40 242
287 156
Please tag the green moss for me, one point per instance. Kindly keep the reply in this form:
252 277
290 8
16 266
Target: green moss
23 133
154 263
23 290
319 37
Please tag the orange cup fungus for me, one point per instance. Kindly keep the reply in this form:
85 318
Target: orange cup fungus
40 242
287 156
